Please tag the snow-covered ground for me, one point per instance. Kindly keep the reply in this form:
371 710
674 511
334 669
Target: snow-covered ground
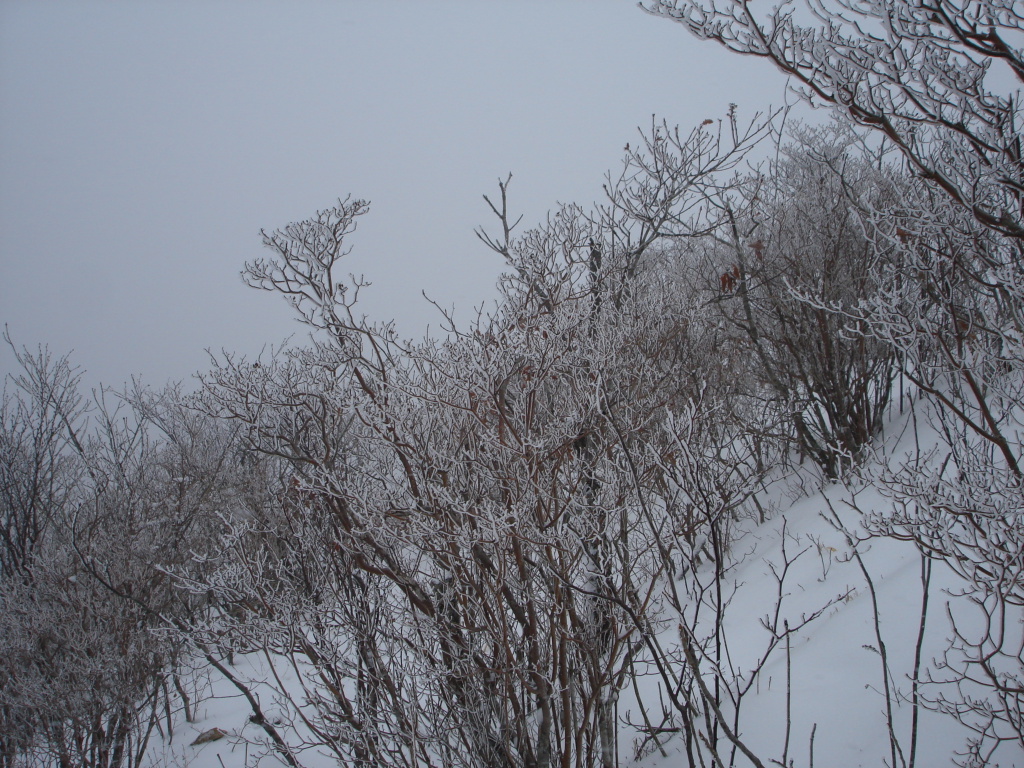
835 669
837 708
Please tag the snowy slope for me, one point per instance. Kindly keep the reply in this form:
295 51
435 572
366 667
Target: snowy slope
837 709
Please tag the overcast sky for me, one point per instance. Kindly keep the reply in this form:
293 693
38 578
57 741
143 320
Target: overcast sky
144 144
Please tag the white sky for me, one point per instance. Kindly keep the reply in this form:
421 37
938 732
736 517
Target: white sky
143 144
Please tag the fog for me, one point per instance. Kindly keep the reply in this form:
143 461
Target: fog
143 145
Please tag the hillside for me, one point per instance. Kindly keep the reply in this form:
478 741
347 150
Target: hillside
832 682
730 473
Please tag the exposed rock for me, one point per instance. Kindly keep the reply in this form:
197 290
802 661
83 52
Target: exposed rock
214 734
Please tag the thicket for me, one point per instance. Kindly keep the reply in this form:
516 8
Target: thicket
468 548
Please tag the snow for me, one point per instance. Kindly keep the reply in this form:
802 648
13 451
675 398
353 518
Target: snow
838 709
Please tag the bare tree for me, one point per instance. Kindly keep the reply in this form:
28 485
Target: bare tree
101 497
457 543
919 74
790 260
938 82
